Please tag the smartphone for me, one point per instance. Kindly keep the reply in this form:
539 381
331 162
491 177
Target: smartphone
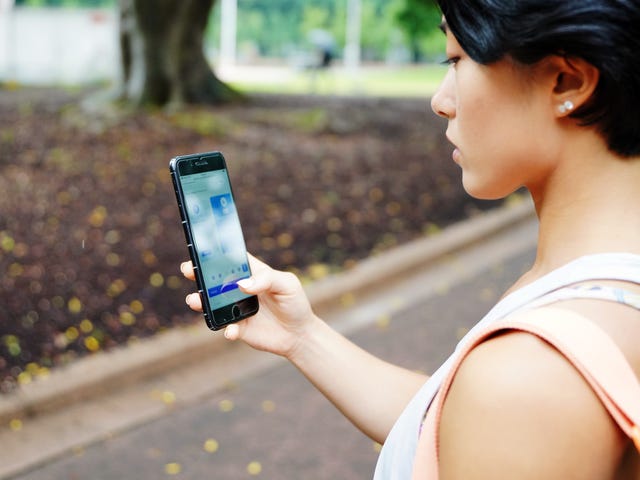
214 236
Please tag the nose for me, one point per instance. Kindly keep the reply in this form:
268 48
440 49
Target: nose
443 102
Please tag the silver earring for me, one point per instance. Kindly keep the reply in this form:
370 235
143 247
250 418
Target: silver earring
566 107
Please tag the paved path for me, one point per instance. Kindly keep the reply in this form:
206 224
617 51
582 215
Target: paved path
265 420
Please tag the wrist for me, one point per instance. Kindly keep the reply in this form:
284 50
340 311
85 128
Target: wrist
308 340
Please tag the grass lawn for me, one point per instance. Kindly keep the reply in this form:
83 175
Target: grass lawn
383 81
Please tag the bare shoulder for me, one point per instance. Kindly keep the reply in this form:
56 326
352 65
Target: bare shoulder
517 409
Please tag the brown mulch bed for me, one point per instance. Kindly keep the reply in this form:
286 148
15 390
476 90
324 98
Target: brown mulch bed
90 240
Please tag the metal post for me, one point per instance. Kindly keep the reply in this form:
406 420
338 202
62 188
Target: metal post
228 31
354 27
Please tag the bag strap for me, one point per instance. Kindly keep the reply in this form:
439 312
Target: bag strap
584 344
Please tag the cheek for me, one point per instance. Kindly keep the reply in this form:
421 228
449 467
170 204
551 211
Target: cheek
482 129
497 155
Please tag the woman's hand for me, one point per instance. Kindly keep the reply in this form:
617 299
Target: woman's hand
284 316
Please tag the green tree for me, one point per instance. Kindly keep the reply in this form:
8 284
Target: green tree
277 27
163 60
378 26
419 19
65 3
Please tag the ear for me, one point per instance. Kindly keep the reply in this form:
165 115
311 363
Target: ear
573 82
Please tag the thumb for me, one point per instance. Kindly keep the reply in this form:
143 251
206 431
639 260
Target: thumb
247 284
269 280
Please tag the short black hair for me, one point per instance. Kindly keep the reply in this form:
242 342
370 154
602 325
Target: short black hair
605 33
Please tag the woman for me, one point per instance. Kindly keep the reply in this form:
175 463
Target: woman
543 94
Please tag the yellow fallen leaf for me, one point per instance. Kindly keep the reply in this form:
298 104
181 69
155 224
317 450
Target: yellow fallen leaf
254 468
172 468
15 424
226 406
211 446
268 406
168 397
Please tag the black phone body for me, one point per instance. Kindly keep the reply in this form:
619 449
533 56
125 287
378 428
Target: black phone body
214 236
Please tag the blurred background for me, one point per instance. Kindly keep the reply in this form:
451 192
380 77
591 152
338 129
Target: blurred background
321 109
76 42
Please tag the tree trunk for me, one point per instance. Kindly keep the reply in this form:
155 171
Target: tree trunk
163 61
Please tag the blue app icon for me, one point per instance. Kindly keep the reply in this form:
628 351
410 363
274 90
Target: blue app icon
222 205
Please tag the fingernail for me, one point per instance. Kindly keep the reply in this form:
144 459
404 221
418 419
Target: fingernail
246 282
183 266
188 298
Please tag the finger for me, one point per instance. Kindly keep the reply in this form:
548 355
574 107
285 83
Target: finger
258 268
248 285
194 301
266 279
232 332
187 270
235 331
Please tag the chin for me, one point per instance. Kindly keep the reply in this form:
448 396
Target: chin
481 191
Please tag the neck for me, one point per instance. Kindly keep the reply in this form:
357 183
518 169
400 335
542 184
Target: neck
587 206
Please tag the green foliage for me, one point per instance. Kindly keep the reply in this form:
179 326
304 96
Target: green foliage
66 3
280 28
419 19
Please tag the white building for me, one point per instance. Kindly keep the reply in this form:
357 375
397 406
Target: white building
44 46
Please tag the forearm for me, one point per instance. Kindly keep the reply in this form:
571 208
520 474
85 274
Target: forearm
370 392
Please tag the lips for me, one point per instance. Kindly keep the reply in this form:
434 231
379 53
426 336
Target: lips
456 155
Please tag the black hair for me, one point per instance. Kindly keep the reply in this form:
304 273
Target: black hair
605 33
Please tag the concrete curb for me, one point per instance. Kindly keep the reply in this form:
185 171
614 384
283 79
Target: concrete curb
98 374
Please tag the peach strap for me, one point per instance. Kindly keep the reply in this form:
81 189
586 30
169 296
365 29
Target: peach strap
587 347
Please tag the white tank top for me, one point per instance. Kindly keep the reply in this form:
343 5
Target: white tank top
396 458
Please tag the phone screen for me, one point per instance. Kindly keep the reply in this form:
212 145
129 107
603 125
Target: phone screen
213 227
217 235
